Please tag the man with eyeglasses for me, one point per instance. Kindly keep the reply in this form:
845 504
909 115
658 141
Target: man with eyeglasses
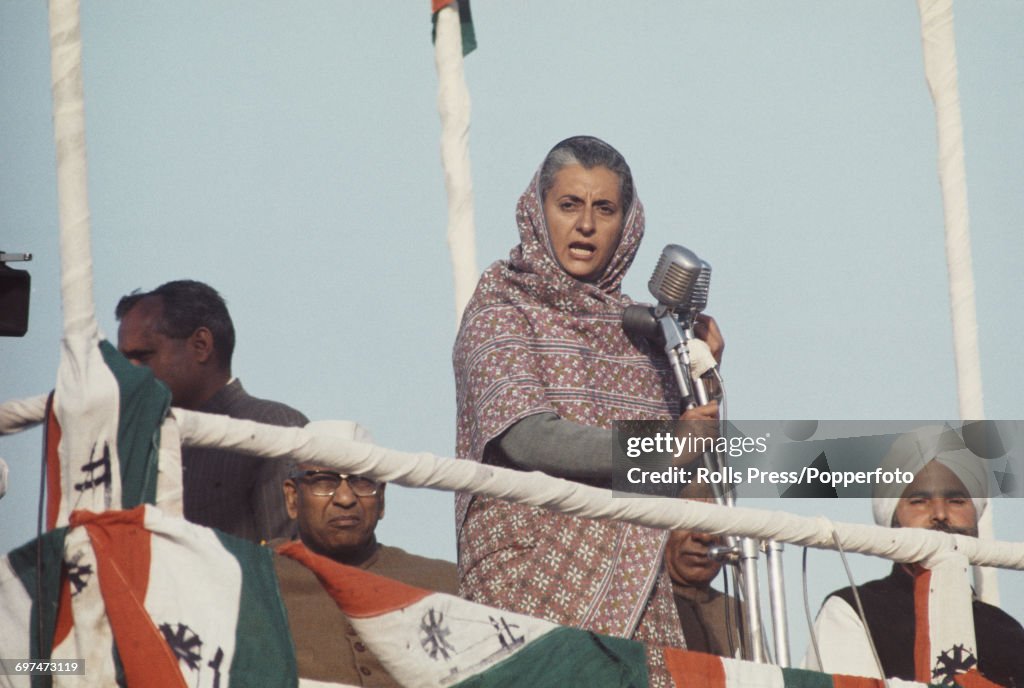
336 515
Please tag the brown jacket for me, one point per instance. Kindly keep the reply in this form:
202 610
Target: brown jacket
702 612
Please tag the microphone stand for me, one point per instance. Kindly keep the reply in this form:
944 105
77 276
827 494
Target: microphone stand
676 336
678 354
777 595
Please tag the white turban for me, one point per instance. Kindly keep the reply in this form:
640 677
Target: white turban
342 429
915 450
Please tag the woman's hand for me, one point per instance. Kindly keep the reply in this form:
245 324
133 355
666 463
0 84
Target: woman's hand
708 411
697 422
706 328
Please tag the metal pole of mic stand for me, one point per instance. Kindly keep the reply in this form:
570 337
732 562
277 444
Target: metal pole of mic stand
693 391
777 596
747 551
751 598
748 573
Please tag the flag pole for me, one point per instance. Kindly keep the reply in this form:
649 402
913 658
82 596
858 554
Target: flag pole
454 107
72 199
938 42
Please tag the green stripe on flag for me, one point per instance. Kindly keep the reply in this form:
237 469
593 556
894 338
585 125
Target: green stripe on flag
263 649
802 678
569 657
465 23
23 560
144 403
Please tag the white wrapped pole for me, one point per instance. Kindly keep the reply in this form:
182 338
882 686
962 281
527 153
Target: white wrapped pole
86 395
939 49
69 136
453 106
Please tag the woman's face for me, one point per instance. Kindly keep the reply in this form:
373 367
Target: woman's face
583 209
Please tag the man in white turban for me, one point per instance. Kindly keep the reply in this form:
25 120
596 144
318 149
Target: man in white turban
948 493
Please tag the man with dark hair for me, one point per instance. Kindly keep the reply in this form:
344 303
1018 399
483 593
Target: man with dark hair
183 332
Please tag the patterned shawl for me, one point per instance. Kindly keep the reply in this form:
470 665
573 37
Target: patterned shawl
534 339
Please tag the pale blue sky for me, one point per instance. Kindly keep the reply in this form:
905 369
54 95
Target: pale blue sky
287 153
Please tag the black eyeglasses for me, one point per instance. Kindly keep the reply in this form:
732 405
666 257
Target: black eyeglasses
326 483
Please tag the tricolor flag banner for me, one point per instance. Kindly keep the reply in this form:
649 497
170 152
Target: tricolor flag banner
465 22
944 639
103 437
710 671
188 606
28 602
432 639
150 601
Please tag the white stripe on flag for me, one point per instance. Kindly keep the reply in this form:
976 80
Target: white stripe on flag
194 593
442 639
740 674
950 608
91 639
86 403
14 623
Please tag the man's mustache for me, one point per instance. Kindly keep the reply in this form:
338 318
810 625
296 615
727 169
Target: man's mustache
944 527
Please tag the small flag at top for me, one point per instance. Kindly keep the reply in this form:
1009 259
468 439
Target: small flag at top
465 21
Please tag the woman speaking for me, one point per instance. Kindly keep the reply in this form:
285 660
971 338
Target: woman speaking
542 369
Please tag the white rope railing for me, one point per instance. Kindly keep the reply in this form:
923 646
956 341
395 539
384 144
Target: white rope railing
17 415
454 107
938 43
422 469
538 489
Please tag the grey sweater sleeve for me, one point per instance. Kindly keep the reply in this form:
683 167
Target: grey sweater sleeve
558 447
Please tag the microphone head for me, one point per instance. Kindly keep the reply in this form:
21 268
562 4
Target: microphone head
699 296
676 277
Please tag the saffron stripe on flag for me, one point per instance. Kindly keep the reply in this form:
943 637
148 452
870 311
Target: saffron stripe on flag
358 594
695 669
422 638
187 606
123 559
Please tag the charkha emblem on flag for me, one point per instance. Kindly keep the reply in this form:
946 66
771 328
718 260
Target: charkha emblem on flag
156 600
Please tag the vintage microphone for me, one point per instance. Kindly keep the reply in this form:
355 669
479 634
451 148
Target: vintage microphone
680 283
